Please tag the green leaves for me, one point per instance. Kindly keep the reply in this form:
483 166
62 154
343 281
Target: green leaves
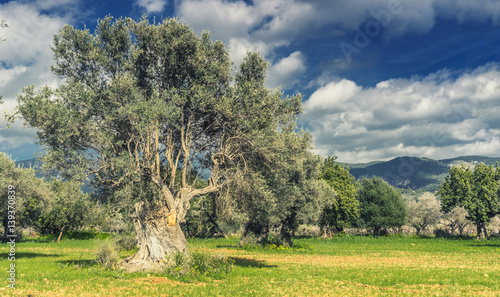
344 212
382 206
68 209
475 190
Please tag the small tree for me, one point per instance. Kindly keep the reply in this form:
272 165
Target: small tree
456 219
476 191
344 212
282 196
423 212
70 209
32 194
301 196
382 206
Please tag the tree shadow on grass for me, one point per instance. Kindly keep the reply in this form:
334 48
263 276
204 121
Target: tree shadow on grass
245 262
78 263
19 255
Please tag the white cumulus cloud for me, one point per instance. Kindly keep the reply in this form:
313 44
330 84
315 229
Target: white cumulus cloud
152 6
286 71
25 59
431 116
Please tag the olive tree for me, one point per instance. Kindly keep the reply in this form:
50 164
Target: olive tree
69 209
144 110
475 190
32 195
48 206
456 219
423 212
282 197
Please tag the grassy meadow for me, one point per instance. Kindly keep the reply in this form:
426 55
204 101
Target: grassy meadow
342 266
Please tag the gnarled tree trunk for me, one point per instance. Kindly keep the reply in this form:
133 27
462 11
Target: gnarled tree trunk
158 233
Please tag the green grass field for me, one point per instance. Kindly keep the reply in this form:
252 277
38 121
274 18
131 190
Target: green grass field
343 266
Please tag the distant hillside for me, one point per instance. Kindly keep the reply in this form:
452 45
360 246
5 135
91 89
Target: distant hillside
414 172
470 161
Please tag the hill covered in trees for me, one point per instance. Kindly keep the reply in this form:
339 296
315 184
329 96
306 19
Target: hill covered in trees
414 172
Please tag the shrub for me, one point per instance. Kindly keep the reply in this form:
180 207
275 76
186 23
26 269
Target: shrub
441 233
198 265
277 247
249 239
125 242
308 231
278 241
106 255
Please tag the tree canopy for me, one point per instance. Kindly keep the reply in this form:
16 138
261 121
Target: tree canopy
475 190
32 194
344 211
382 206
423 212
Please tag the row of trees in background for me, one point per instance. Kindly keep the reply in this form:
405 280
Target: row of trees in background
312 191
49 207
303 190
374 205
333 200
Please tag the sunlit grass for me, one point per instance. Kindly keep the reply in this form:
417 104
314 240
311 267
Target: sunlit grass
344 266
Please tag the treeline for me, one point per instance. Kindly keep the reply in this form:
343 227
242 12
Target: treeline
46 207
270 209
370 205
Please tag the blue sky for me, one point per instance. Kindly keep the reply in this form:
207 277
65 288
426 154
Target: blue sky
380 78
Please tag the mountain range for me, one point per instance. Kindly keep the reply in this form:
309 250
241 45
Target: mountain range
414 172
402 172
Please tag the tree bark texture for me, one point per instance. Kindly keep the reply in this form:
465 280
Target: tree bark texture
158 234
